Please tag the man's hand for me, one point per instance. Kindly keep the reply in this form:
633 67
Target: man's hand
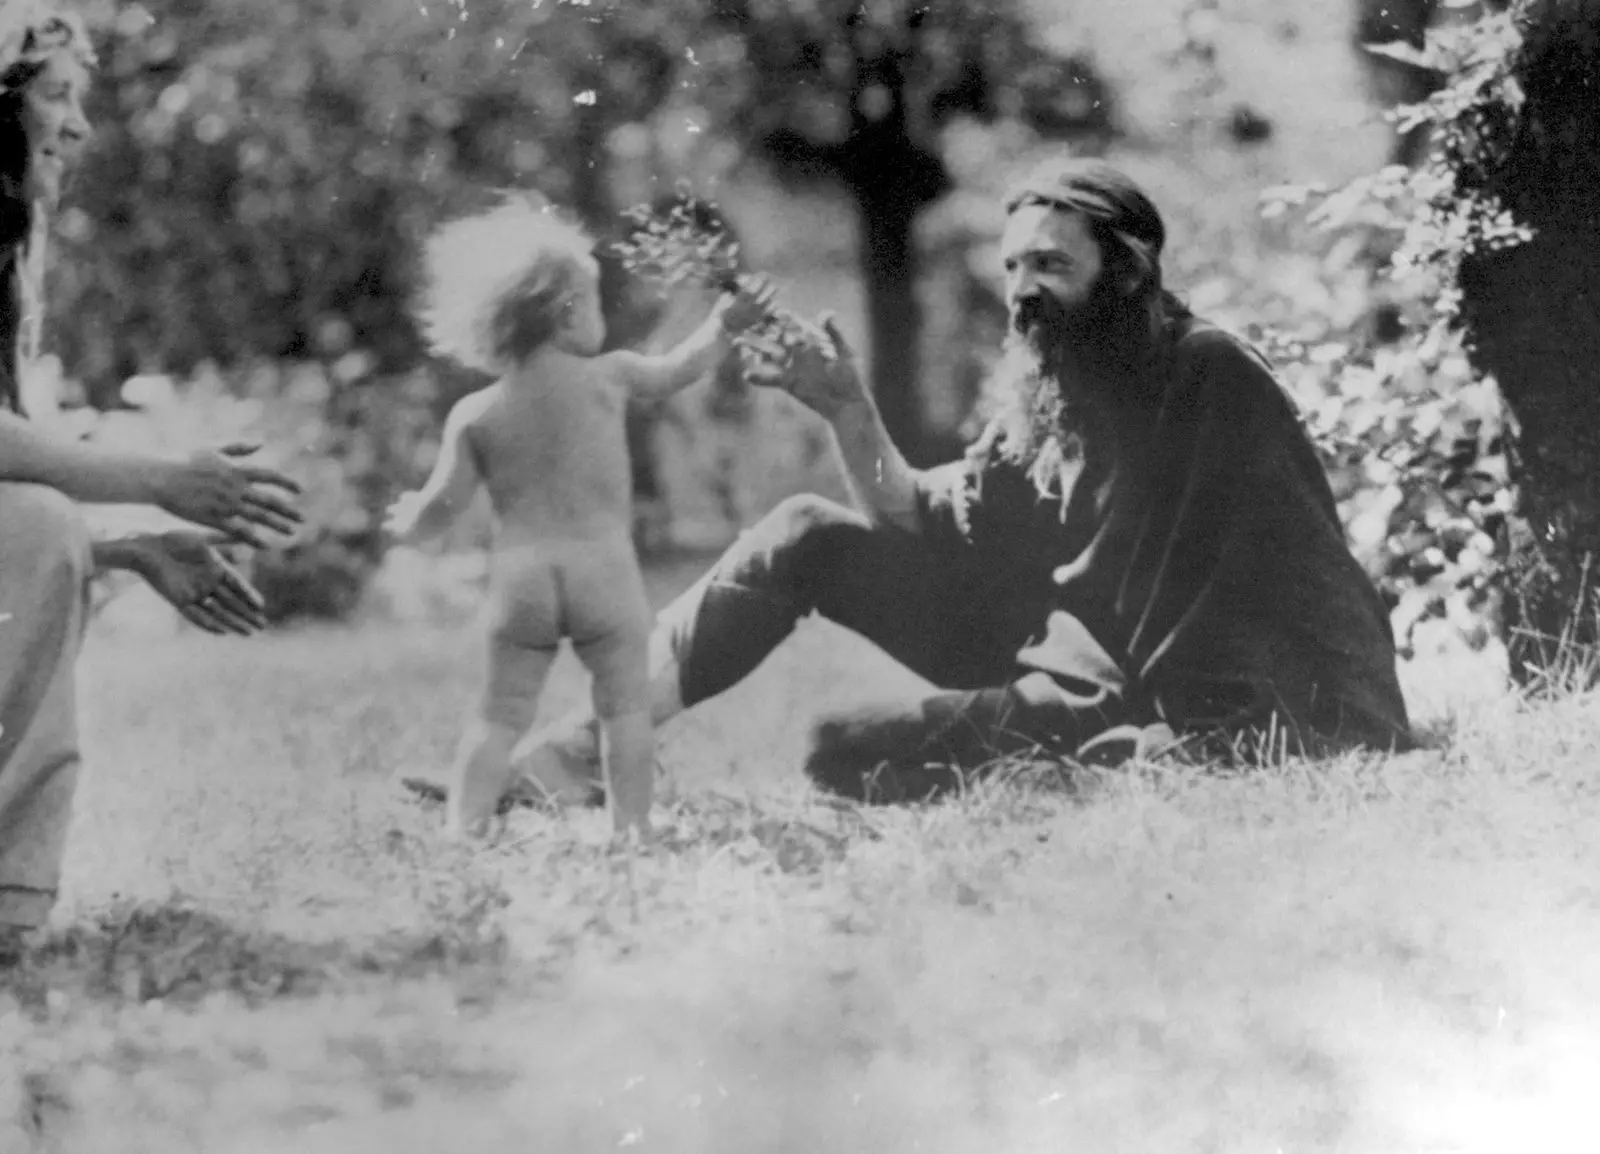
210 489
819 371
188 570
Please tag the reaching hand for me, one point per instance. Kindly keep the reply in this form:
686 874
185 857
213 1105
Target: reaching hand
819 370
746 306
209 489
400 521
189 572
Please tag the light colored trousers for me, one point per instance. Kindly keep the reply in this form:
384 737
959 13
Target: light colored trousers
45 566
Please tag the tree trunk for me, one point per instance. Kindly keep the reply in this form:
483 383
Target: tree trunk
892 180
1533 318
1395 82
889 262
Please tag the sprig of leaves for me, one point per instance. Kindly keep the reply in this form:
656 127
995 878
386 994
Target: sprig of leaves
676 246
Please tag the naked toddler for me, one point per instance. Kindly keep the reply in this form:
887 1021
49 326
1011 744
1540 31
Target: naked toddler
515 292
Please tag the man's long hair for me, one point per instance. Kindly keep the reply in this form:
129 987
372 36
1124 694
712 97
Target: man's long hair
31 33
1104 357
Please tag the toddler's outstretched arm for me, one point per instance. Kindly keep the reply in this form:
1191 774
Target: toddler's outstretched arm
701 351
450 487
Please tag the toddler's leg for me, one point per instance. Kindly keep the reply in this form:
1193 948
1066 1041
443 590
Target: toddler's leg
482 770
612 626
619 662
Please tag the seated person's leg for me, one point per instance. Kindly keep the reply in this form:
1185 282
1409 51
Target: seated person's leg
808 555
45 565
921 751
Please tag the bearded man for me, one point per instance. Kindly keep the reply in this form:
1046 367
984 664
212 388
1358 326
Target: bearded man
1141 552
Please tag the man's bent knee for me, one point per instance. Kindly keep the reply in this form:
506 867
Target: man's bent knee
797 518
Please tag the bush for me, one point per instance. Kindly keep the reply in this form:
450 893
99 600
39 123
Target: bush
1418 441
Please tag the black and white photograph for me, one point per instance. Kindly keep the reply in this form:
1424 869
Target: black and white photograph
792 576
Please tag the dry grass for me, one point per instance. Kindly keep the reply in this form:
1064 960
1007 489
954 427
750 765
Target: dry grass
269 949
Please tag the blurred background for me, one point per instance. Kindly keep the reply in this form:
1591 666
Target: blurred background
238 255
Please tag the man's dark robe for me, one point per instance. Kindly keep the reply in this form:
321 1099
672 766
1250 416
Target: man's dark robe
1199 576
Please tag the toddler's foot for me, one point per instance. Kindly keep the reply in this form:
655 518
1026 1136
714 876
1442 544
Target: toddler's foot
632 839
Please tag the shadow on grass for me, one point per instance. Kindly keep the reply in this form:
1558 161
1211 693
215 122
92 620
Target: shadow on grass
177 952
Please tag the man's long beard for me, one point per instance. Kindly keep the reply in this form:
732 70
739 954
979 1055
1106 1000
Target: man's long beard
1062 371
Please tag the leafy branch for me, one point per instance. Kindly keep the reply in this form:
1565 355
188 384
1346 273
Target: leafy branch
1425 437
679 244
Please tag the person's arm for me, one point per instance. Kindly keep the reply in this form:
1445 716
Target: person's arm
659 376
451 485
125 553
84 472
207 489
826 381
656 377
190 572
883 483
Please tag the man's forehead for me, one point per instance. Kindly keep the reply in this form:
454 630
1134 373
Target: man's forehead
1047 228
62 66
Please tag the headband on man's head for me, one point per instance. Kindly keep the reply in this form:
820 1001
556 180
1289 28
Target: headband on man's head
31 32
1097 190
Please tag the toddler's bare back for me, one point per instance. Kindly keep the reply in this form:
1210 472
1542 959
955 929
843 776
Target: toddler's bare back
552 450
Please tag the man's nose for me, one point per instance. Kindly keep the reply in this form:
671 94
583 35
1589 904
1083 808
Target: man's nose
1023 284
75 130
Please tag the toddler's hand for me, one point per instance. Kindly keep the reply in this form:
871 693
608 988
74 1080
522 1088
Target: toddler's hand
400 521
745 307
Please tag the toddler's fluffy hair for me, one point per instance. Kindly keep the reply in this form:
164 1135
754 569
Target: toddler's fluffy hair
498 284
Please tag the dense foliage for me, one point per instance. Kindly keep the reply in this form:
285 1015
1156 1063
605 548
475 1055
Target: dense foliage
1418 440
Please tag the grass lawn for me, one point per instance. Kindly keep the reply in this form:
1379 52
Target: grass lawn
265 947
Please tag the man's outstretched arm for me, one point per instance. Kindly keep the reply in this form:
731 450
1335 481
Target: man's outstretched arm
827 382
883 483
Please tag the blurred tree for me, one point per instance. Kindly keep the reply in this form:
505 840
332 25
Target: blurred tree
1532 315
1400 71
855 92
264 173
263 177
